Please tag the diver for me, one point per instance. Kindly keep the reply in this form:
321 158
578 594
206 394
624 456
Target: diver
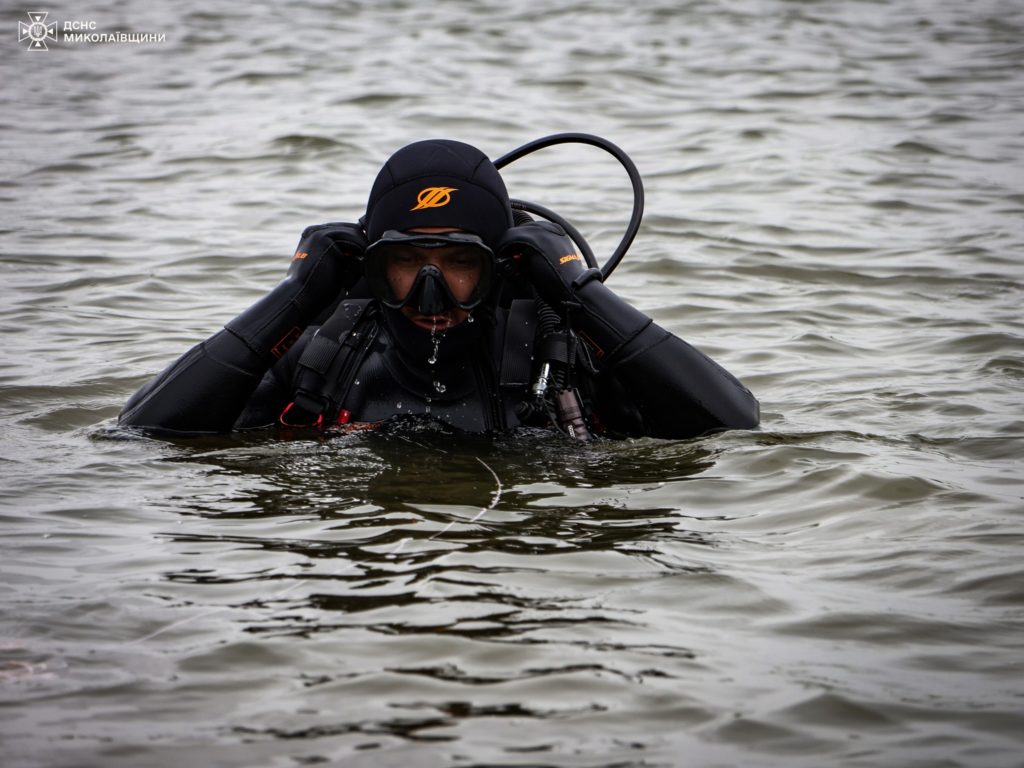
445 304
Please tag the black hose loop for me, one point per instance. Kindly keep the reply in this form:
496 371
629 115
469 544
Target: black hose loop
634 177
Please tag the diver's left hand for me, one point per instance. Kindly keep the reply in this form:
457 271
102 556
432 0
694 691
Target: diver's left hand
546 256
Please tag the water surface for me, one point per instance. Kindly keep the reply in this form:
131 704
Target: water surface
834 212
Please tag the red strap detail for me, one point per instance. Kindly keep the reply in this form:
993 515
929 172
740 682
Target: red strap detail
285 342
285 413
318 423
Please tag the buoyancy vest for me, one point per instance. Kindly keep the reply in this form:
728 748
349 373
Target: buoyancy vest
357 368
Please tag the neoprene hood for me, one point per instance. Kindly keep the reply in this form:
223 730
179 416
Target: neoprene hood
439 183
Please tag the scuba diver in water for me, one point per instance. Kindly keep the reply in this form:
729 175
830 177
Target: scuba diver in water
446 302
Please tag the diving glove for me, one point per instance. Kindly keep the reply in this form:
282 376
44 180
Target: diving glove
326 264
546 256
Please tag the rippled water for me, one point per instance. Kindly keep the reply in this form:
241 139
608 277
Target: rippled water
834 211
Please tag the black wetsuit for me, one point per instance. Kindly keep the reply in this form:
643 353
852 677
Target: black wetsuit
455 376
475 378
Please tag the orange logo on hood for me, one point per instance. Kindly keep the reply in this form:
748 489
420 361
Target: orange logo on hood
433 197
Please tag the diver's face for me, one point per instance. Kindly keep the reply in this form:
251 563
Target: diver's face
460 265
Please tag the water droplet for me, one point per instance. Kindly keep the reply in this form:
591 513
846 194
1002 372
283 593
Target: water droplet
436 339
439 387
398 406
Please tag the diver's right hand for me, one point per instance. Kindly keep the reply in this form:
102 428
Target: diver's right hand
326 265
333 252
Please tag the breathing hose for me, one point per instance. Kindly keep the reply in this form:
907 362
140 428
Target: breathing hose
634 177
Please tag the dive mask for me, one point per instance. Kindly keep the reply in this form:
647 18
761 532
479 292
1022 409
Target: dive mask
432 265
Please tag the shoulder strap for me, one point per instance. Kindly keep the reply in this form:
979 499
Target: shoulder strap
517 350
322 375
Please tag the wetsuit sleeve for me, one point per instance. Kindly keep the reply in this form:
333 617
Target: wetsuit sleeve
275 390
650 382
209 386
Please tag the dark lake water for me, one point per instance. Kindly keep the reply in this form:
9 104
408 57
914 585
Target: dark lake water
835 194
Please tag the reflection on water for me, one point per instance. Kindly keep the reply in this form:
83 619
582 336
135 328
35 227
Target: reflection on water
833 210
382 533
